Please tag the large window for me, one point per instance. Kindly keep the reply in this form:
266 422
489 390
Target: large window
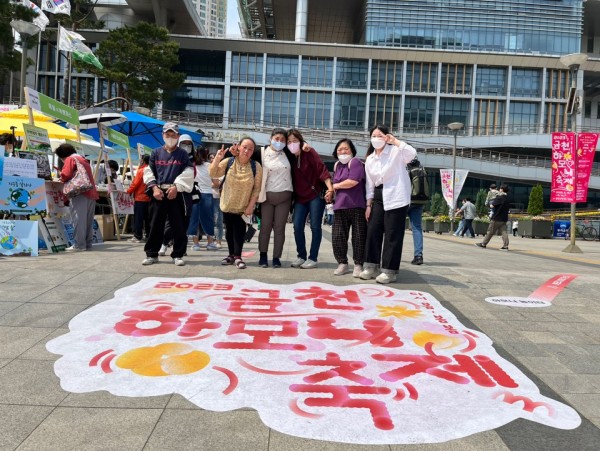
526 83
385 109
491 81
315 108
421 77
489 117
317 72
456 78
557 84
386 75
351 74
201 65
282 70
419 114
244 105
206 101
524 117
247 68
280 107
453 110
555 119
349 113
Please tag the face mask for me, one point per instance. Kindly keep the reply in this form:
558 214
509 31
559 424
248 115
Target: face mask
344 159
278 146
171 142
186 147
294 148
377 143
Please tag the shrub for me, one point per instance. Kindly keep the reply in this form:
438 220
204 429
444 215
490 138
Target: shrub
536 201
437 203
480 207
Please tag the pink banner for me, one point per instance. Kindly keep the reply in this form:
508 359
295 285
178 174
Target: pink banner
563 168
586 148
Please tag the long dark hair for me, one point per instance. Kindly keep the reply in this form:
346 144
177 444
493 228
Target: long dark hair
295 132
350 144
200 155
383 129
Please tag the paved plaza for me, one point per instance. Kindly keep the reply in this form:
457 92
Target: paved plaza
557 347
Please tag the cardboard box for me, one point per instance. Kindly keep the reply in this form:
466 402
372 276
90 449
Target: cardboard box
107 226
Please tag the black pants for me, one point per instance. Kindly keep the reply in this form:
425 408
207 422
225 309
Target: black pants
385 229
141 220
234 233
468 226
188 203
174 210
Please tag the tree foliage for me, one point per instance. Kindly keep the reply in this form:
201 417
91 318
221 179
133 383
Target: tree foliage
139 59
437 204
10 60
536 201
481 208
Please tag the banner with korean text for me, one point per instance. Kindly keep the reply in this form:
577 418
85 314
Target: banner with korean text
563 167
586 149
459 181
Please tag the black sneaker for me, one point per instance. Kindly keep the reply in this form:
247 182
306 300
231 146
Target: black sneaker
504 248
276 263
418 260
263 262
480 245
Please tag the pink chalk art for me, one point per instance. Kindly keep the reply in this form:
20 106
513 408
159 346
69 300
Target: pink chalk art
355 364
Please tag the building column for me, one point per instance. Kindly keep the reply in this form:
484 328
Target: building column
301 20
227 89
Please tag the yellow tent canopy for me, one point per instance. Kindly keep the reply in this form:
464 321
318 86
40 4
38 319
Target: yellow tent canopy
54 130
21 113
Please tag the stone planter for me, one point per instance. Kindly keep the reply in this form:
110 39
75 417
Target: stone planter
427 225
441 227
535 229
480 228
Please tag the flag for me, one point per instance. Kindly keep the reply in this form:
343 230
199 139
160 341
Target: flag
57 6
41 20
69 41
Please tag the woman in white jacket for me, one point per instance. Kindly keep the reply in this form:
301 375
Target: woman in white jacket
388 198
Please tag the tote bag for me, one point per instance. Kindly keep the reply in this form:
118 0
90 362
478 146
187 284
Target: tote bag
80 183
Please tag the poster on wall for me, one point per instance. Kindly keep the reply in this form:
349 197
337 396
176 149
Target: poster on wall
37 139
352 364
19 167
22 196
41 159
19 238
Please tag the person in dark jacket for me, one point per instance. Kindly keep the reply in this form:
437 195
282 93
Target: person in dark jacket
499 219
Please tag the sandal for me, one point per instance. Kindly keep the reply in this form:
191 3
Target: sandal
239 263
228 260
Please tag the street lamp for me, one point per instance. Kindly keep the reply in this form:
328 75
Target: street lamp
454 127
573 61
25 30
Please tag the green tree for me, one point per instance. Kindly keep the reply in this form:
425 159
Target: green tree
437 204
10 60
480 207
139 59
536 201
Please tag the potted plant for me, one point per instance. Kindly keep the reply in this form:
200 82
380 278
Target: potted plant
535 227
480 225
441 224
427 223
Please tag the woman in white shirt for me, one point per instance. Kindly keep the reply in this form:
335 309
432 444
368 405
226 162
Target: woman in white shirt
275 196
388 198
202 210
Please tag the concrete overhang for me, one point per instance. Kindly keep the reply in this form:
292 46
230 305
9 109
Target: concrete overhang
178 16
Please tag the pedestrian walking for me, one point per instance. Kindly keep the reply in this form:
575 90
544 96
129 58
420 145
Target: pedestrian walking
418 198
499 219
469 212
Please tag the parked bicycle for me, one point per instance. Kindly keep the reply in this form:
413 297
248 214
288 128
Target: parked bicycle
587 233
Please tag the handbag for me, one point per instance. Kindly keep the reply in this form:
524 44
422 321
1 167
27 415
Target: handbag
79 183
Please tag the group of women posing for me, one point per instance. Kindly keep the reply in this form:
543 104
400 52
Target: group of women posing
369 199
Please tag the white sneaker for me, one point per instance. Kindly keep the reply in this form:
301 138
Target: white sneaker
298 263
309 264
196 247
149 261
134 240
357 270
211 247
341 270
368 273
178 262
163 250
74 249
384 277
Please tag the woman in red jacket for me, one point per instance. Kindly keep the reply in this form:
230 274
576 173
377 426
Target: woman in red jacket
141 221
83 205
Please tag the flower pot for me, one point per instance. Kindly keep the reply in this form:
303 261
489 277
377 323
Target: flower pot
441 227
427 225
535 229
480 228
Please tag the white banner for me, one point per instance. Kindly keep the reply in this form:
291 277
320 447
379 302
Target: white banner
57 6
459 181
41 20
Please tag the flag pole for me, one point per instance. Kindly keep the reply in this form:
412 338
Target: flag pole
57 61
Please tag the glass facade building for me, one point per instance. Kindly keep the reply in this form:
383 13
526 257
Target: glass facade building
532 26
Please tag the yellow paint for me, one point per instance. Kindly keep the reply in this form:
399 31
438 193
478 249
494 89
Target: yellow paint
442 341
398 311
163 360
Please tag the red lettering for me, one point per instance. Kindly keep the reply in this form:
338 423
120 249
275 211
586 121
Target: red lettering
262 331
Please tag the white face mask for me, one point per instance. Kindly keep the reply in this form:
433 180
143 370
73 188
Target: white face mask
345 158
377 143
171 142
186 147
278 146
294 148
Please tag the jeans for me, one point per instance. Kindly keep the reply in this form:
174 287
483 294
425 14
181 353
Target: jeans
415 215
218 217
202 213
315 207
468 227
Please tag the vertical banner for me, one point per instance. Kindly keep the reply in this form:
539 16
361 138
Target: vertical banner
459 181
563 167
586 148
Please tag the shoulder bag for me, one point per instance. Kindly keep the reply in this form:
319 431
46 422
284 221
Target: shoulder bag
79 183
